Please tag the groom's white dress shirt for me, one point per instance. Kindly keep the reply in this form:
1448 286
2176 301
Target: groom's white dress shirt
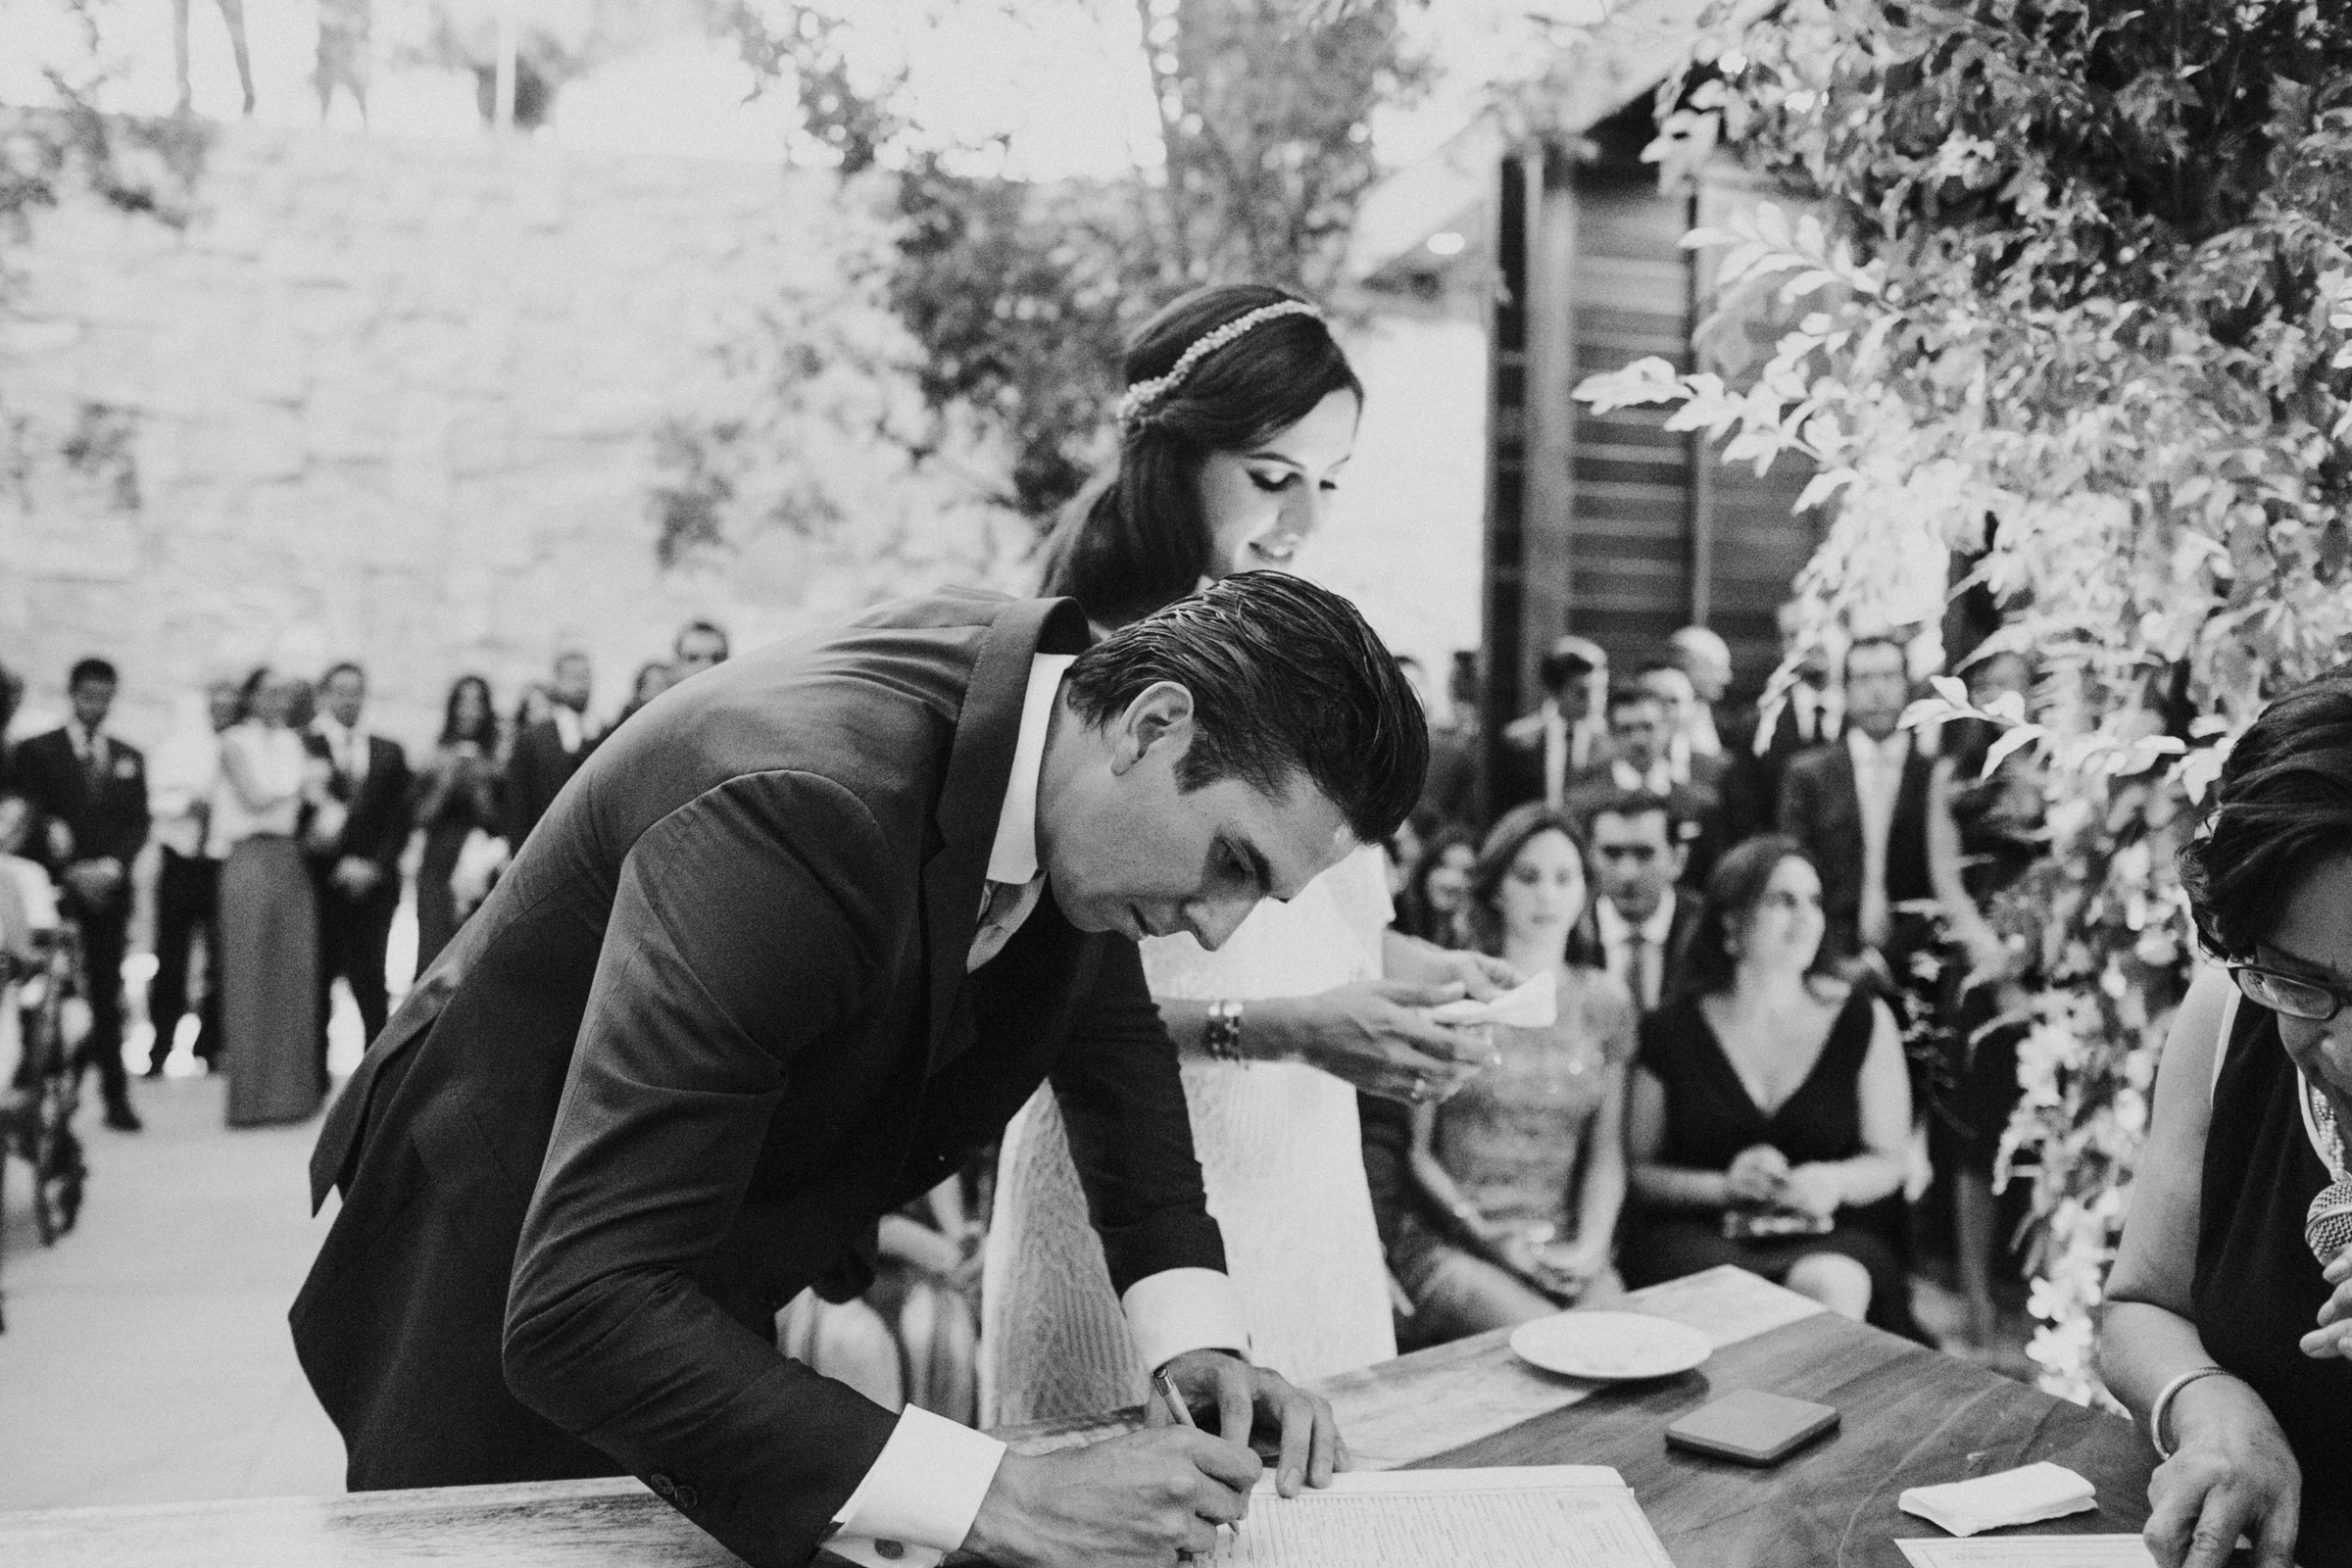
926 1486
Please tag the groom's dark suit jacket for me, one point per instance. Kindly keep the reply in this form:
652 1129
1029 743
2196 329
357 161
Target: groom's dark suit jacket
712 1024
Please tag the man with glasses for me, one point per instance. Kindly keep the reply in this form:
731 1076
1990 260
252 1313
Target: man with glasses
1644 920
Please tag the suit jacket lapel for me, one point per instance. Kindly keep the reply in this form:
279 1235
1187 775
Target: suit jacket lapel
956 876
1848 787
78 791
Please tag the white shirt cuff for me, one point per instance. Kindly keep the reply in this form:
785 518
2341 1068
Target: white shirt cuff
922 1494
1180 1310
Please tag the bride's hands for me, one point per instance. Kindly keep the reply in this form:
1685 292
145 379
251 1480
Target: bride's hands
1377 1035
1482 978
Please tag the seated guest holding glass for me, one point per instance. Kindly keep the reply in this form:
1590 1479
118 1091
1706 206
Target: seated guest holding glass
2223 1331
1517 1181
1768 1109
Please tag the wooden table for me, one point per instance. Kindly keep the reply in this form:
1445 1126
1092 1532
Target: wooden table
1911 1417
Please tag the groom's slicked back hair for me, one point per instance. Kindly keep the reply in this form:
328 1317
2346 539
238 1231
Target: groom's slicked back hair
1287 681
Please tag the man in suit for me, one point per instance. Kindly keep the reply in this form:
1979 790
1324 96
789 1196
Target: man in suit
546 754
1545 753
797 942
1705 662
90 790
1639 726
1807 713
355 860
1644 922
1859 805
180 786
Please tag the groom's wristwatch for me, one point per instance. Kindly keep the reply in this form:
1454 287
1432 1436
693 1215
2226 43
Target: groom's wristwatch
1222 1038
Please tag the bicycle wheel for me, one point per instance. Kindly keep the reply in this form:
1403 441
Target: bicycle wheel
46 1129
58 1170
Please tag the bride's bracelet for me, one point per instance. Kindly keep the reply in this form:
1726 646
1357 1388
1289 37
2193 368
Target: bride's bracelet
1221 1038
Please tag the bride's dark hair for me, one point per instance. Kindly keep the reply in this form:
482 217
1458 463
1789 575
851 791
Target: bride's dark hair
1134 540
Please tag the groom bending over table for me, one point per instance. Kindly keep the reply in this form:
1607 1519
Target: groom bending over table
796 941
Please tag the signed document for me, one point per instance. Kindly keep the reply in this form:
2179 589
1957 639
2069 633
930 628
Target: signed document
2031 1552
1547 1516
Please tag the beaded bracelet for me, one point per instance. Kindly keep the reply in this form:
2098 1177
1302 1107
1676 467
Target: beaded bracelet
1222 1038
2164 1404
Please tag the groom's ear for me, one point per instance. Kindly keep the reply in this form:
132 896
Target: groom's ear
1160 718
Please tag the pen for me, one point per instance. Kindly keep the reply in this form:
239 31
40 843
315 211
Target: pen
1165 1385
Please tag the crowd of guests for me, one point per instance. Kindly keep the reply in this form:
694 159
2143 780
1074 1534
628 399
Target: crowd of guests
282 826
1781 951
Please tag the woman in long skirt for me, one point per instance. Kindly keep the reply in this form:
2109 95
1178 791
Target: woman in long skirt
269 921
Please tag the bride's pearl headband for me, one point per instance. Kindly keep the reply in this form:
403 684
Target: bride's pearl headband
1137 399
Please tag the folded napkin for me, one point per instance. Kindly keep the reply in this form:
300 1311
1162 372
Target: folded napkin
2012 1497
1532 1006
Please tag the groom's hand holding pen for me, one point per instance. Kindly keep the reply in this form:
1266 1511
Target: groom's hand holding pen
1154 1495
1164 1388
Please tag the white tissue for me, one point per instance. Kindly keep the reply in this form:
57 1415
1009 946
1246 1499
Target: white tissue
2020 1497
1532 1006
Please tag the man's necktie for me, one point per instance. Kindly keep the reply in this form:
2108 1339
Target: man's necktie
1002 912
1638 977
1559 760
1876 917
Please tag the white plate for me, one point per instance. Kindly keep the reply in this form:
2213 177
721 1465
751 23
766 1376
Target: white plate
1610 1346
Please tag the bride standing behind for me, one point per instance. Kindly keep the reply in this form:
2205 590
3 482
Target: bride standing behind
1239 419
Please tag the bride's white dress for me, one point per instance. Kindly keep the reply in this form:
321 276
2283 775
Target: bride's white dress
1280 1154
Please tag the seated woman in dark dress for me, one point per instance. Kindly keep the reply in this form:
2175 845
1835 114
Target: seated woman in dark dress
1769 1107
2223 1331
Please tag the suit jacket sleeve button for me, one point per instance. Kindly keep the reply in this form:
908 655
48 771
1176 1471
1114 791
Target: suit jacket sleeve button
686 1497
892 1549
663 1488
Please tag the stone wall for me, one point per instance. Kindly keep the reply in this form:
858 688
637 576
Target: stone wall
399 401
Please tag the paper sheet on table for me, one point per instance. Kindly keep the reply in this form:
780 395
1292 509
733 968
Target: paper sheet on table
1532 1006
1539 1516
2029 1551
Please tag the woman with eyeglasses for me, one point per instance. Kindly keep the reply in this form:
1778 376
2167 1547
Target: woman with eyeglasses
2226 1331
